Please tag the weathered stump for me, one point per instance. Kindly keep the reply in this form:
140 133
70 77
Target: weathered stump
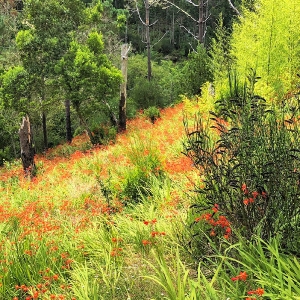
27 150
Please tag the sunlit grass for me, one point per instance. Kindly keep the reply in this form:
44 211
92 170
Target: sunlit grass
70 233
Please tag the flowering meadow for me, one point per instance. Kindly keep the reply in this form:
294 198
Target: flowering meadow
114 222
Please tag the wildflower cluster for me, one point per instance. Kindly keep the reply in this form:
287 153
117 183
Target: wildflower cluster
116 250
243 277
253 196
153 233
217 222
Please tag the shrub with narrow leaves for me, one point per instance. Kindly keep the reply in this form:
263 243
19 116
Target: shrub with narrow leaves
250 162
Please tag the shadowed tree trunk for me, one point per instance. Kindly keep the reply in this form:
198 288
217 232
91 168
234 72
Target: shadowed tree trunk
68 121
27 150
123 94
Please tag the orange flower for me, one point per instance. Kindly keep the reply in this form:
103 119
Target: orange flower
145 242
251 200
246 201
245 189
242 276
258 292
55 277
215 209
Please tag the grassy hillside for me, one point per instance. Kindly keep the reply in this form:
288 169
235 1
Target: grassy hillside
73 231
115 222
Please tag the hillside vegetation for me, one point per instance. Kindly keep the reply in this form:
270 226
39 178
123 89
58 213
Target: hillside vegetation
199 198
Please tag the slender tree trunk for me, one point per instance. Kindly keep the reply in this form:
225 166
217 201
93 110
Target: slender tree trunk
147 8
68 121
84 124
123 87
201 22
112 116
27 150
13 145
44 120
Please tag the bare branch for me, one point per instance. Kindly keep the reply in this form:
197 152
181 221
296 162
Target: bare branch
138 11
234 8
160 38
194 36
192 48
191 2
186 13
153 23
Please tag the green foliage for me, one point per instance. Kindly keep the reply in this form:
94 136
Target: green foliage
104 134
147 93
88 77
267 40
164 88
15 89
146 164
196 71
241 166
152 113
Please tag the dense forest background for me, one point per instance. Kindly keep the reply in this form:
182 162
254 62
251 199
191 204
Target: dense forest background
60 61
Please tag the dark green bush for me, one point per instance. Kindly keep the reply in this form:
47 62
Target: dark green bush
196 71
147 93
104 134
252 167
152 113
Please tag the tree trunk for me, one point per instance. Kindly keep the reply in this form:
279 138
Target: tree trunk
123 87
201 22
85 125
147 8
27 150
68 121
45 131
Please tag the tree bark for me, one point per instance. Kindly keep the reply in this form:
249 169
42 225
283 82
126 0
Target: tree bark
85 125
27 150
201 22
123 87
147 8
68 121
44 119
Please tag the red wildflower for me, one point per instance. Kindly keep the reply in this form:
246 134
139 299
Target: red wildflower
215 209
212 233
255 194
55 277
245 189
246 201
145 242
264 194
242 276
154 233
258 292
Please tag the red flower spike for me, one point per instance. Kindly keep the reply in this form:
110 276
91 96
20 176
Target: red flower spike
246 201
258 292
215 209
251 200
242 276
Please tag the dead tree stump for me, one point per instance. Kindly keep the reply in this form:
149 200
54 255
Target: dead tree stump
27 150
